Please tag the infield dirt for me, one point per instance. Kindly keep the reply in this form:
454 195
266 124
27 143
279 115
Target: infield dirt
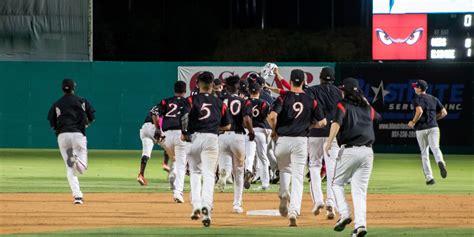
41 212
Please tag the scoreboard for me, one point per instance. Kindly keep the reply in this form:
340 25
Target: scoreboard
423 30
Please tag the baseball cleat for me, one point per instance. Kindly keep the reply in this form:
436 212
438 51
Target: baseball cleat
196 214
222 181
292 218
264 188
284 200
141 180
430 182
206 217
317 209
341 223
247 179
442 170
330 214
165 167
179 199
78 200
359 231
238 209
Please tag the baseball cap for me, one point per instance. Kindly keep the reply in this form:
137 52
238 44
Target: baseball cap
206 77
254 87
68 85
350 84
297 75
327 74
252 77
423 85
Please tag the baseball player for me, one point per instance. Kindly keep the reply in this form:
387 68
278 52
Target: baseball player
169 136
232 142
146 135
258 114
353 125
327 96
69 117
428 109
290 118
203 116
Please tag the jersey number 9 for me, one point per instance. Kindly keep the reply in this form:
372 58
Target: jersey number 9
298 108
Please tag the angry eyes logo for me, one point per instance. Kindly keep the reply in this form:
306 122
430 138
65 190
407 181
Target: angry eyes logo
399 37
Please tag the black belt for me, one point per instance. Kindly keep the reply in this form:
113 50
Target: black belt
351 145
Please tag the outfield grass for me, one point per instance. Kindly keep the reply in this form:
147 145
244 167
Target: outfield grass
255 232
115 171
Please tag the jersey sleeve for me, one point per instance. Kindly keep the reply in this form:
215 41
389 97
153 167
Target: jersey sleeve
278 105
265 108
226 117
89 111
416 102
247 109
340 113
318 113
439 106
52 116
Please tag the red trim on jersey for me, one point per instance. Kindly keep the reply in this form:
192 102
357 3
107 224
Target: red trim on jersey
224 108
163 102
190 101
248 103
285 84
341 107
315 104
372 113
283 92
264 105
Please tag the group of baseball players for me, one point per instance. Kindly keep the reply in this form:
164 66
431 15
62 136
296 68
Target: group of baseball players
223 126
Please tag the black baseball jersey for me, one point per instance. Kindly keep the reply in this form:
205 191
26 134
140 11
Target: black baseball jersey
356 124
431 106
70 113
170 110
237 109
206 113
296 112
267 96
258 110
327 96
148 118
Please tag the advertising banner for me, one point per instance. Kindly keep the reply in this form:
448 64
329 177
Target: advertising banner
388 88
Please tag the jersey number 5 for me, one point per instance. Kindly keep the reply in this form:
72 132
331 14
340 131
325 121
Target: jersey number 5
206 110
298 108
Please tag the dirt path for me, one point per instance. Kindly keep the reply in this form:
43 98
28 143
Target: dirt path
38 212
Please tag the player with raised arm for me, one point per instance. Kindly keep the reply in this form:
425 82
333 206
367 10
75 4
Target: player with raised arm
428 109
69 117
232 142
353 125
290 118
201 119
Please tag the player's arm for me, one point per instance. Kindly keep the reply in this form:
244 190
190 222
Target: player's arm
281 82
89 113
52 117
226 118
335 125
155 113
318 115
277 107
248 124
184 120
441 111
418 113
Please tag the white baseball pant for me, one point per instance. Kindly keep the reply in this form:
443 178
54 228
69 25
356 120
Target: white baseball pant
232 148
259 147
202 160
176 149
271 152
147 132
356 163
429 139
316 154
74 144
291 153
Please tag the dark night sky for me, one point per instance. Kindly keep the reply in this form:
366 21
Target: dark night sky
190 30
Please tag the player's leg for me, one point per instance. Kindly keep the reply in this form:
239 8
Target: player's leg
195 174
238 159
65 147
330 168
250 152
315 150
225 157
146 135
209 157
433 141
360 183
282 153
273 162
299 155
261 144
422 138
79 149
342 173
179 166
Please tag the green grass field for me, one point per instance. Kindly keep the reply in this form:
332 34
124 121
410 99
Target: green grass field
115 171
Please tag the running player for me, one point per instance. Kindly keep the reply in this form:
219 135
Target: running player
258 114
327 96
170 109
146 135
290 118
202 118
428 109
69 117
232 142
353 125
